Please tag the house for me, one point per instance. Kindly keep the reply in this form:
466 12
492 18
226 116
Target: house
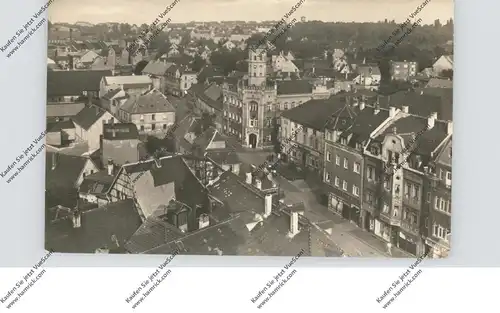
178 80
403 70
60 111
154 183
343 82
89 126
60 133
68 86
113 99
282 63
95 187
156 70
151 112
302 131
401 172
209 99
345 138
121 143
368 76
130 84
98 230
255 226
444 62
82 59
438 237
63 175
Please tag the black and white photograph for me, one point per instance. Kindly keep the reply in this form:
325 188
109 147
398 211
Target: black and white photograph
299 128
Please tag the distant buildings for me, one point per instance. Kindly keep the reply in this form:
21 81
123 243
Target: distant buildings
403 70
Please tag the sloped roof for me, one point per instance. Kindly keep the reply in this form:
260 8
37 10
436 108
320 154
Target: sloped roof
100 227
292 87
88 116
72 83
151 102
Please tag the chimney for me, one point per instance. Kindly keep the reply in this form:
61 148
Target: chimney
110 167
394 130
405 108
258 184
77 218
294 223
268 205
362 105
435 115
430 121
249 178
392 111
204 221
54 160
449 127
158 163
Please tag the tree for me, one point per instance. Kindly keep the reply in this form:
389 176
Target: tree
139 67
198 63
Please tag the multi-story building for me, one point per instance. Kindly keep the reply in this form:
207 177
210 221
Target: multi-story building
346 135
403 70
152 113
439 217
400 173
302 132
252 105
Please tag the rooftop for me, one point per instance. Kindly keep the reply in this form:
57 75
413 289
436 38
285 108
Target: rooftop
109 226
151 102
73 83
121 131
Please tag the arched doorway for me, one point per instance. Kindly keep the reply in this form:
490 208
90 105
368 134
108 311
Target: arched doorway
252 140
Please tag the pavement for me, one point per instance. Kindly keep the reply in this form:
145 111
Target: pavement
354 241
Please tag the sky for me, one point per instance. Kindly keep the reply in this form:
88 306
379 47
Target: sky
146 11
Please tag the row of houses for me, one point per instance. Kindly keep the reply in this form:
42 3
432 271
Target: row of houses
384 163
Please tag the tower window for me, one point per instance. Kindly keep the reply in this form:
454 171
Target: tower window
254 58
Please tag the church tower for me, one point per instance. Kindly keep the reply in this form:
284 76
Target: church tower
257 66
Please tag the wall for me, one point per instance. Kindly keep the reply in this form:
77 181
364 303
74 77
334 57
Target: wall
120 151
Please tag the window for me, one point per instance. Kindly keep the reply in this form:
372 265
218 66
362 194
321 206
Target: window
327 176
387 184
448 175
344 185
355 190
396 211
337 181
142 127
428 197
369 197
328 156
346 163
153 126
407 190
440 232
370 173
142 117
337 160
440 204
164 126
343 140
385 208
441 174
357 167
